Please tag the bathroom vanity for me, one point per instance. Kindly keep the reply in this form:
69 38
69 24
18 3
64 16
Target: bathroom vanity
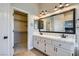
54 46
58 22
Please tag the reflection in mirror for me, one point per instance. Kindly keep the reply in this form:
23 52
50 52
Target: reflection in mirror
59 23
68 21
35 24
62 23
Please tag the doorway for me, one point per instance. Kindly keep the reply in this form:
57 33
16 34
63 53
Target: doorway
20 31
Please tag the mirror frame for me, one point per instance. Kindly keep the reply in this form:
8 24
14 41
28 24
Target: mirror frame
74 29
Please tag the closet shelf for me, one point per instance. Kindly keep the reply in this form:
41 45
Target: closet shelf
20 20
20 31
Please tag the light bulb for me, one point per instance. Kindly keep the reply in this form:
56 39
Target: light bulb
56 8
61 5
66 4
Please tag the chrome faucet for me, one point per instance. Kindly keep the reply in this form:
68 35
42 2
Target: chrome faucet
63 36
41 33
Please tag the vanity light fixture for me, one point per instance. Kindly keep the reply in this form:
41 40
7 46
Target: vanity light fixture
43 12
61 5
66 4
56 8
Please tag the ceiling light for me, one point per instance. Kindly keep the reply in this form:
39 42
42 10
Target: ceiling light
56 8
66 4
60 5
43 12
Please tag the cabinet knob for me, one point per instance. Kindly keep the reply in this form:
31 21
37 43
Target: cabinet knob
45 44
77 19
44 50
37 42
72 54
44 41
56 49
59 44
5 37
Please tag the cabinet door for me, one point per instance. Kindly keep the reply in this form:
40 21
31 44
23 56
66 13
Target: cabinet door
35 42
50 50
42 44
39 43
62 52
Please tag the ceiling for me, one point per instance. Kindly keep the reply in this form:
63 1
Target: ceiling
47 6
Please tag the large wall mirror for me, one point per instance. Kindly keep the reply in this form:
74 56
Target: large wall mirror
59 23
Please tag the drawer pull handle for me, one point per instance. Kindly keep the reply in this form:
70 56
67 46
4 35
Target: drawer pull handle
44 41
56 49
45 44
45 50
72 54
59 44
37 42
5 37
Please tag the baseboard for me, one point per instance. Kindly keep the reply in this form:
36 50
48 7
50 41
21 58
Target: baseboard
29 48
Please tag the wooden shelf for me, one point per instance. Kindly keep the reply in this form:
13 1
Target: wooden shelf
20 20
20 31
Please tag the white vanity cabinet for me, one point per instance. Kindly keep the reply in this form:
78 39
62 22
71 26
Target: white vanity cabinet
39 43
57 48
62 52
42 44
49 48
53 47
35 42
63 49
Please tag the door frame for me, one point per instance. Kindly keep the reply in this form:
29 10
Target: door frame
23 11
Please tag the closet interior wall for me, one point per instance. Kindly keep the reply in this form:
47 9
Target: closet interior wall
20 29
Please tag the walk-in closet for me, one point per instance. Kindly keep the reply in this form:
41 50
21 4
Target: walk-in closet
20 30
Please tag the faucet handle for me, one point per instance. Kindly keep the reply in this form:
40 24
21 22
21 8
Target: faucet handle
63 36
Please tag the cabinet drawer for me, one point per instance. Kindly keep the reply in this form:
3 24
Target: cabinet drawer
42 40
48 41
64 45
48 50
